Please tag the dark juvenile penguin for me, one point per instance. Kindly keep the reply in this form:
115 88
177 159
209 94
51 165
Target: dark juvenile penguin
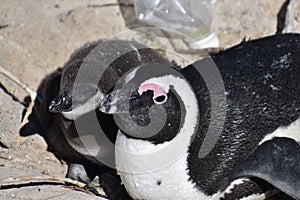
73 110
53 128
166 116
46 124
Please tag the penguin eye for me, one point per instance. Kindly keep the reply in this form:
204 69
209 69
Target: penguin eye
160 99
160 95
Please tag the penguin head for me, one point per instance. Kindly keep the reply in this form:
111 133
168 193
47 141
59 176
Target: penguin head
76 97
147 103
73 103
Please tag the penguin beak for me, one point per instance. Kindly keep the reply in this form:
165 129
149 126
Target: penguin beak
62 103
106 103
117 101
113 103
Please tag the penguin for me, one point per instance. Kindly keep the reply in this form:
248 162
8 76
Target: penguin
225 127
41 121
61 111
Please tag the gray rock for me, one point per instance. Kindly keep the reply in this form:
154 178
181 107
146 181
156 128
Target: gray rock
292 23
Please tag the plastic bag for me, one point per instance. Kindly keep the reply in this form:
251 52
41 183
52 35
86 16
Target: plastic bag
190 17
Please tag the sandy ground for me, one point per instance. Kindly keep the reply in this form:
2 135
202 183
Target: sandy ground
40 36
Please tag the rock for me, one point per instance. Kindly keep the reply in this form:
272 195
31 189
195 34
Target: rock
292 23
37 192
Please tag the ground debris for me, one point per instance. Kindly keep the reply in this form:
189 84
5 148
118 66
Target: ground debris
13 182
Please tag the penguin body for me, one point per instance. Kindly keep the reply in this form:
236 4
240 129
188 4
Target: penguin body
248 127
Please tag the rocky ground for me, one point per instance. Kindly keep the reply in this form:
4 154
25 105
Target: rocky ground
38 36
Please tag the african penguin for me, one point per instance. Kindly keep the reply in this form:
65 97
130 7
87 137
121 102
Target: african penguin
53 128
225 127
72 109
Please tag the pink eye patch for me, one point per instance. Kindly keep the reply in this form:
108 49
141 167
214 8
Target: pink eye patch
159 94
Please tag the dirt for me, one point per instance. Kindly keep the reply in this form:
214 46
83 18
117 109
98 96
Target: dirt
38 36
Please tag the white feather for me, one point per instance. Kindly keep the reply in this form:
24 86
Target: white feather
292 131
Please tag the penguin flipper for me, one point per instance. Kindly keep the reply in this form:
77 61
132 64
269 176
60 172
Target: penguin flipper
276 161
31 128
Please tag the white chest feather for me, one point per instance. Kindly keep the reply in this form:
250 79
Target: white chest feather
292 131
150 173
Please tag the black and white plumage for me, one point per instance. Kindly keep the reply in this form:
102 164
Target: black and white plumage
164 116
74 114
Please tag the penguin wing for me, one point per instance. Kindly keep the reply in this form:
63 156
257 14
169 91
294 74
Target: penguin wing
276 161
